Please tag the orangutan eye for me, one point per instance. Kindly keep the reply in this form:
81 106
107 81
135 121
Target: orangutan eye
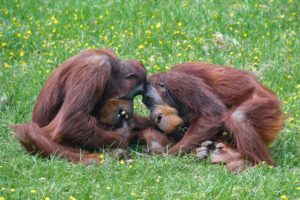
131 76
161 85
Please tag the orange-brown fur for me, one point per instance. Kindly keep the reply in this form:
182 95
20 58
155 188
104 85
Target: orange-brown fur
211 99
230 156
65 117
170 122
154 140
111 109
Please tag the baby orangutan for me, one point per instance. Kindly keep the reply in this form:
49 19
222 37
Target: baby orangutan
114 112
115 115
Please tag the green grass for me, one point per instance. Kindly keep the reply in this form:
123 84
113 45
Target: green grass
259 36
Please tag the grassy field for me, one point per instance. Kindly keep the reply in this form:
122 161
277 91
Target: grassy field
259 36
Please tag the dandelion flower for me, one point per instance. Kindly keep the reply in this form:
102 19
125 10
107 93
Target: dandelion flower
72 198
6 65
2 198
284 197
22 63
101 156
158 25
33 191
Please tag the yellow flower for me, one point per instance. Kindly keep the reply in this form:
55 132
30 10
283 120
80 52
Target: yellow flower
12 189
29 32
55 21
298 188
158 25
47 198
23 63
141 46
3 44
122 162
33 191
72 198
101 156
6 65
2 198
22 53
284 197
179 24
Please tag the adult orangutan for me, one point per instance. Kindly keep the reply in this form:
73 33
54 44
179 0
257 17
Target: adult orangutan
71 110
211 99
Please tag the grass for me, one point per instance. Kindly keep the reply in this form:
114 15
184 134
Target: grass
259 36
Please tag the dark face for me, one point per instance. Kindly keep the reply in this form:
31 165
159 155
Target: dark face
156 92
127 81
162 105
128 78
